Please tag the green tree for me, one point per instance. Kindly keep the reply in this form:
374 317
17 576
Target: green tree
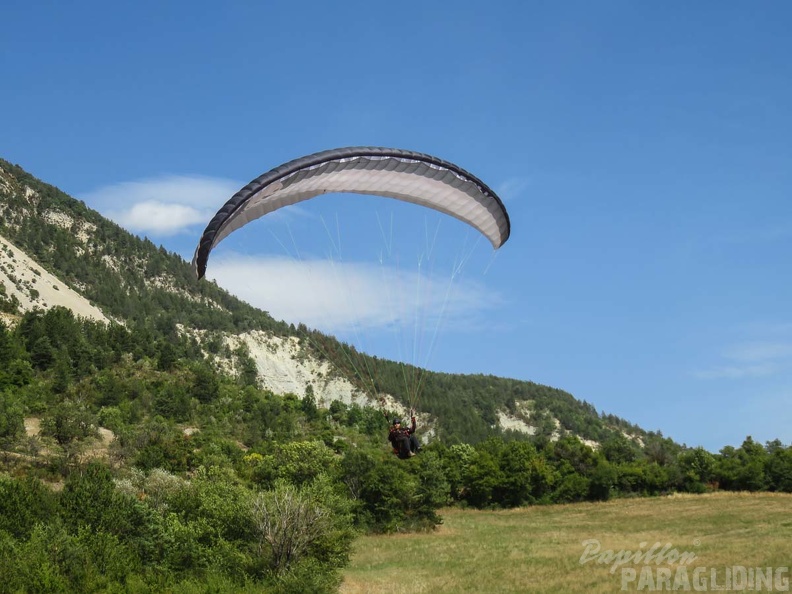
247 371
205 385
42 353
697 466
617 449
743 468
525 477
69 422
580 457
433 490
89 499
297 462
779 469
309 408
604 479
456 460
481 479
8 349
172 401
23 504
167 357
12 422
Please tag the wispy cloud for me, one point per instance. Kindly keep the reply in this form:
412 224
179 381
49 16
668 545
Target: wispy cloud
344 297
512 188
760 351
738 371
752 358
164 205
758 235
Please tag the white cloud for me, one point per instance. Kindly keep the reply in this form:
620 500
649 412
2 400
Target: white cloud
342 297
162 206
159 218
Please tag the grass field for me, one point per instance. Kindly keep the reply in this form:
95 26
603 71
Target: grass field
539 549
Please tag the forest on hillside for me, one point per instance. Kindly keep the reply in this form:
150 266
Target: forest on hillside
114 269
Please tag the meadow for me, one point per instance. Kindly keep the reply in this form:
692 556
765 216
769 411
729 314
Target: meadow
541 549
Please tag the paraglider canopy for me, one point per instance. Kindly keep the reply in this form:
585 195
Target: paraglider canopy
395 173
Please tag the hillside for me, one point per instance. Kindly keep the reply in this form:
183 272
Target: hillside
157 434
57 251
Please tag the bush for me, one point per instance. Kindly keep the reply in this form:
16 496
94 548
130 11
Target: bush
23 504
294 525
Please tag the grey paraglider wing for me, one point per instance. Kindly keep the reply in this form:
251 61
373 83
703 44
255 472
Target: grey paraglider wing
405 175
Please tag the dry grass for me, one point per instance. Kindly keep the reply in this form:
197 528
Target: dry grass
538 549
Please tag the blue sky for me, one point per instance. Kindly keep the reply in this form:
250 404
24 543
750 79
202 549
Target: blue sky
642 150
